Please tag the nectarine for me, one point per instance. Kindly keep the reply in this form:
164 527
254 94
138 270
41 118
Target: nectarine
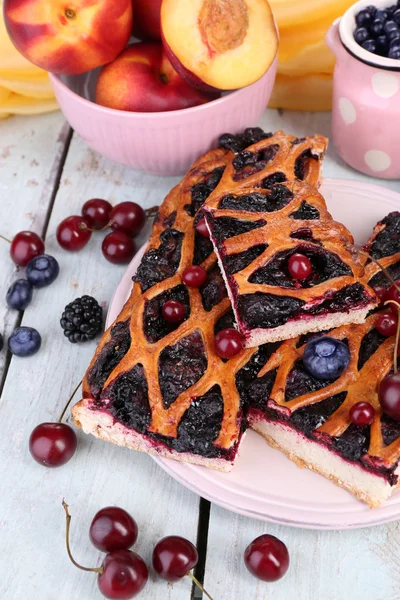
147 25
223 44
141 79
69 37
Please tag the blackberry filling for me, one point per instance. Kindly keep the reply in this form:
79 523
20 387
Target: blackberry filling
390 429
226 227
213 290
302 164
128 399
387 242
256 202
154 324
306 212
168 221
162 262
309 418
109 357
237 143
247 163
225 322
325 265
269 182
353 443
300 382
261 310
181 366
203 247
369 345
237 262
380 278
201 191
304 233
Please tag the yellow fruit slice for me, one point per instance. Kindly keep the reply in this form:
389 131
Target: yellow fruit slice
311 92
292 13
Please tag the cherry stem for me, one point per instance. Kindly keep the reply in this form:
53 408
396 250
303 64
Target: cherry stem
396 344
151 212
69 401
98 570
5 239
380 265
197 582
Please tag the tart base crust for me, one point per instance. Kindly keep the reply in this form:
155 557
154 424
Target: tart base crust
103 426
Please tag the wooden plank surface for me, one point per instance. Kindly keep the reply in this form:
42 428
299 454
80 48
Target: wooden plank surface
30 154
359 565
31 516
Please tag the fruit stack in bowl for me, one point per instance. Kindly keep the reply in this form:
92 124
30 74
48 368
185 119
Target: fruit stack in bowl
203 67
251 307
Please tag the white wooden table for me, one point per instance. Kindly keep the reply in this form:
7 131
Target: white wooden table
46 174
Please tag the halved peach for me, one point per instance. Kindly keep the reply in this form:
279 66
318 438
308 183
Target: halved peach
223 44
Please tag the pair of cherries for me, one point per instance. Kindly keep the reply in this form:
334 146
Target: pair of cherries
123 573
126 220
228 342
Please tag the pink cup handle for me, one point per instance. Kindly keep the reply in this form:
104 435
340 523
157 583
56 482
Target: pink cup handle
333 40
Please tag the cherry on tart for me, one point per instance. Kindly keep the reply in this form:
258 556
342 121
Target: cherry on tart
118 248
202 228
128 217
194 276
267 558
393 296
228 343
52 444
299 266
386 324
97 213
173 311
113 529
381 292
362 413
25 246
174 557
122 575
389 396
73 233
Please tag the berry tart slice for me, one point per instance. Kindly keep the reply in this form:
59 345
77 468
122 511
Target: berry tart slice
331 402
170 385
288 267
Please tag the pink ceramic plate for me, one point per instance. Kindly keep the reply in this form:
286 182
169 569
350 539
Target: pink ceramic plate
264 483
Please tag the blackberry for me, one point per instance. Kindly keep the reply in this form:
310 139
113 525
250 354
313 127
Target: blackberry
82 319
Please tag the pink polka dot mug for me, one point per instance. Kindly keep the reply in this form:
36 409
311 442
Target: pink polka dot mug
366 101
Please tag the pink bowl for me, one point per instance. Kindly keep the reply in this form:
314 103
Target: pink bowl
163 143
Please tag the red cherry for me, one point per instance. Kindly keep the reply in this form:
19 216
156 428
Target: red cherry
97 213
25 246
174 557
380 291
124 575
118 248
173 311
128 217
267 558
53 444
194 276
202 229
389 395
386 324
393 294
228 343
362 413
113 529
299 266
73 233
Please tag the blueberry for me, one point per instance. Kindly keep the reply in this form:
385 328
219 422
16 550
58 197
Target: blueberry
42 270
381 14
363 18
24 341
390 26
382 45
326 358
372 10
369 45
394 52
19 294
393 35
361 34
377 27
396 16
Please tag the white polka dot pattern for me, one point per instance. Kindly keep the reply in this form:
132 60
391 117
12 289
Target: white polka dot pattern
377 160
347 111
385 85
